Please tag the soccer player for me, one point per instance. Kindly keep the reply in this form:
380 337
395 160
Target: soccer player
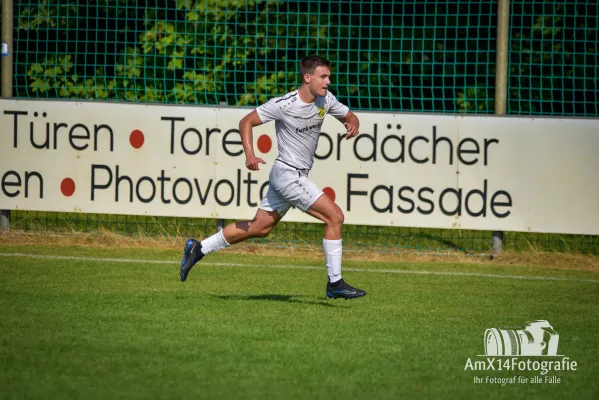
298 118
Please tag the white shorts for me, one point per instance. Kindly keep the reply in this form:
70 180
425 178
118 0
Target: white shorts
289 187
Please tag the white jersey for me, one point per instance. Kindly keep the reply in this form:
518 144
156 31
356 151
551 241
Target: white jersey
298 124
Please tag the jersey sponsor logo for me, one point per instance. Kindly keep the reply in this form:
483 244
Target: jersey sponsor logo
308 128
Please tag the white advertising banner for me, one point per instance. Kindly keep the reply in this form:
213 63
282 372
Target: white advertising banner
413 170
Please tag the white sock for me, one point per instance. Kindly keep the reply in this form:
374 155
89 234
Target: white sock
213 243
332 256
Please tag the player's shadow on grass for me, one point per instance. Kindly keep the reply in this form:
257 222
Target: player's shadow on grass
274 297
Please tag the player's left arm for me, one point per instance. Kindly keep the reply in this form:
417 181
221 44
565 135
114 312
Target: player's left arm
344 114
352 124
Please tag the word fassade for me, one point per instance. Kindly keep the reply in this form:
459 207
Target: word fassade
406 199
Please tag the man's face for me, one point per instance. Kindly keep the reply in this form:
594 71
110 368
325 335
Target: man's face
319 81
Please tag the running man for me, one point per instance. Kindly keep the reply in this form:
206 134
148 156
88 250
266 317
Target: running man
298 119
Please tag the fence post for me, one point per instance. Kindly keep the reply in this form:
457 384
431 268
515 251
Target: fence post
220 223
6 77
503 32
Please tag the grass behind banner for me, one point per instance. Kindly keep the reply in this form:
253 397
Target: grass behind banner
292 234
92 329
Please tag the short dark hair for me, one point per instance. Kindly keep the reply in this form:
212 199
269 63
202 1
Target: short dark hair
309 63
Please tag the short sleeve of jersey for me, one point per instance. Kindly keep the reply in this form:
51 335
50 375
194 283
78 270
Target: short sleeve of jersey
269 111
336 109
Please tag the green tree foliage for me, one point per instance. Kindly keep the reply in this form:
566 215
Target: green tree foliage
554 60
199 52
404 56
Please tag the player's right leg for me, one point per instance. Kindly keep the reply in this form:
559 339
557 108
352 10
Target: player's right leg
260 226
272 208
236 232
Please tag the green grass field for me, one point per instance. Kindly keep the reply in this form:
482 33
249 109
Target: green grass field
102 325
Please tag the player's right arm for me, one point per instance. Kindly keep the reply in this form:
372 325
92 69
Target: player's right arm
267 112
246 126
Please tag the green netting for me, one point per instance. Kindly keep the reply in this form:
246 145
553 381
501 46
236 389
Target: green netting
554 63
300 235
421 56
407 56
387 55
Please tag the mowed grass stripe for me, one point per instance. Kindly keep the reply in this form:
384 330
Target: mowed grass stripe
291 266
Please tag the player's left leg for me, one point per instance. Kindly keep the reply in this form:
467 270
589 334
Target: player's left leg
325 209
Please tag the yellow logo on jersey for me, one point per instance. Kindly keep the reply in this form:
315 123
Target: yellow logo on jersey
321 112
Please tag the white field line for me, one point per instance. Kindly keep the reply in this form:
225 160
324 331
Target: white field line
290 266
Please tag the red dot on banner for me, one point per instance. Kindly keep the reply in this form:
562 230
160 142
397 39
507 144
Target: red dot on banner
136 138
67 187
329 192
264 144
